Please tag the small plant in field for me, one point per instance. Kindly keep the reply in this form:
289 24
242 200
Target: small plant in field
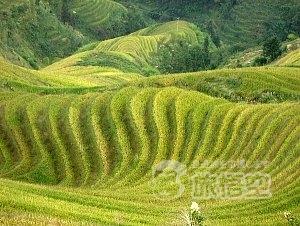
193 216
291 219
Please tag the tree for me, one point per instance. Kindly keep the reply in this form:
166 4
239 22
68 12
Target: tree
65 14
181 56
195 58
206 53
210 27
260 61
271 48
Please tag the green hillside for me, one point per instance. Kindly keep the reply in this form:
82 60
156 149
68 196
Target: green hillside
291 60
86 9
253 85
33 35
96 128
98 12
238 23
72 155
36 33
132 53
71 80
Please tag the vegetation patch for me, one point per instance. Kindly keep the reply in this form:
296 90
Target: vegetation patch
134 129
112 59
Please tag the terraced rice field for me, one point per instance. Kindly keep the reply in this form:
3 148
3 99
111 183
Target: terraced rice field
252 85
247 26
290 60
172 28
130 54
95 13
62 77
87 157
88 144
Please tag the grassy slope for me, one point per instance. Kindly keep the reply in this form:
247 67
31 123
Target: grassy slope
78 143
72 80
290 60
95 150
131 53
261 84
243 25
247 24
95 13
32 35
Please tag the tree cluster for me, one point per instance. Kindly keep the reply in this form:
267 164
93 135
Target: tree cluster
272 48
287 20
181 56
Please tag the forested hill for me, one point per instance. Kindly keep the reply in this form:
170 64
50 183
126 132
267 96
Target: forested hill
36 33
245 22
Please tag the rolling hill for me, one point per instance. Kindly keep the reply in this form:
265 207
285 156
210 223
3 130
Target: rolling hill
95 13
37 33
77 151
32 34
98 137
132 53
